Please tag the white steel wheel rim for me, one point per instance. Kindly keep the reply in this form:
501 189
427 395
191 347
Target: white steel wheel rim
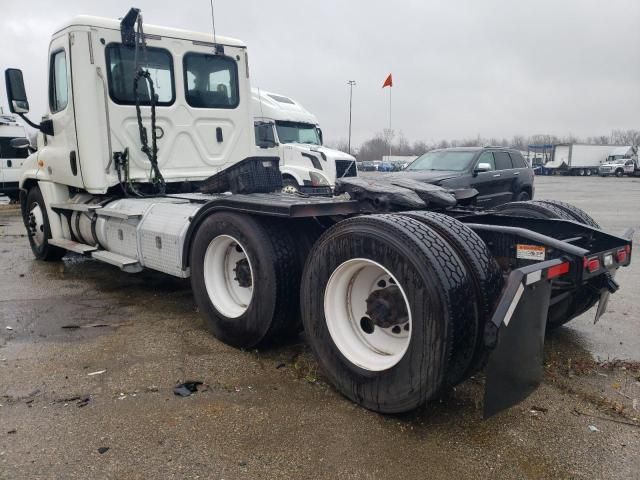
345 296
36 219
225 291
289 189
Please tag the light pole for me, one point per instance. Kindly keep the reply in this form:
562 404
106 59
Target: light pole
351 83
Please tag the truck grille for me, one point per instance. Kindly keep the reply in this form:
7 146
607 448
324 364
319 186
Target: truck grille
346 168
605 169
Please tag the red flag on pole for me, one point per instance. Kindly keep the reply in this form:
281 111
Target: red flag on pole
388 82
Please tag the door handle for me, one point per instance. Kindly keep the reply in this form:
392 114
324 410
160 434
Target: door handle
516 173
219 134
496 174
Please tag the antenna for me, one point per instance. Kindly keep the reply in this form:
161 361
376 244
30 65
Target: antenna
218 49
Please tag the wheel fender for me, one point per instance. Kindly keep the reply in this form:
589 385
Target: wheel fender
298 174
55 193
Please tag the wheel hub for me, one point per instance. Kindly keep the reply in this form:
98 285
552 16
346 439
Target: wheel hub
367 314
35 224
243 273
386 307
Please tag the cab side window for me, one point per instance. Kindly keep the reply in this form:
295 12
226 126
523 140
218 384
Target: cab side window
503 160
487 157
58 88
121 73
211 81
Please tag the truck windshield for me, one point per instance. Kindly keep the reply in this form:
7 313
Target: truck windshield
7 151
443 160
295 132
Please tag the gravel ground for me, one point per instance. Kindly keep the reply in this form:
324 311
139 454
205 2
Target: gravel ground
270 414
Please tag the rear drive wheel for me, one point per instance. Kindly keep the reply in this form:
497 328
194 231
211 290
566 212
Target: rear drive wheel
244 276
36 220
469 353
382 297
567 302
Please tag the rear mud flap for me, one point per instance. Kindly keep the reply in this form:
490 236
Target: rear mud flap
515 367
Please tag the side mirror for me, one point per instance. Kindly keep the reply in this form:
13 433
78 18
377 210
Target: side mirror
482 167
264 135
16 93
320 135
20 142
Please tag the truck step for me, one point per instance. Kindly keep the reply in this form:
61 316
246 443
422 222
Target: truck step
130 265
71 245
122 214
76 207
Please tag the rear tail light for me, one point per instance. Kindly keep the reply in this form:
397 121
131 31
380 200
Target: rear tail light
558 270
592 264
622 254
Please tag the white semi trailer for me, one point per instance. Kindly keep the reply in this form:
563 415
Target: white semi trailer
578 159
284 128
146 159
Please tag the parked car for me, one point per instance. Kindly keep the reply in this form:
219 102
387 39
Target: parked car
499 174
366 166
385 167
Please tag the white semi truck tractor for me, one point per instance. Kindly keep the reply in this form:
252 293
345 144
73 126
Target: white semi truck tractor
284 128
146 159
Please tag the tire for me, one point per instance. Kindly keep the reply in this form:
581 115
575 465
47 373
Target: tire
486 276
289 185
578 214
566 307
435 299
267 313
36 221
523 196
589 172
619 173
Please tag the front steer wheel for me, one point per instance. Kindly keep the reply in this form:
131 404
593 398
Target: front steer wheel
245 275
383 297
38 229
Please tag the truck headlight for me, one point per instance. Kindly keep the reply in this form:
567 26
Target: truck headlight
318 180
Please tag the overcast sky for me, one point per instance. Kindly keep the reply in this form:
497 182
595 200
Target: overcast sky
460 68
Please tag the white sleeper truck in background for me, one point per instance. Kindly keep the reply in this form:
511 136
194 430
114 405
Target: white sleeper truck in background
284 128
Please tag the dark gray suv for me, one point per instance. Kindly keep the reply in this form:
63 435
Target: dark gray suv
499 174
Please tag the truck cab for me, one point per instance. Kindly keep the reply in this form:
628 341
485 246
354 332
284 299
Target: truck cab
11 157
621 161
286 129
202 107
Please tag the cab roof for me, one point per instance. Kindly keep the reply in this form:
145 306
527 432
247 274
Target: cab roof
275 106
114 24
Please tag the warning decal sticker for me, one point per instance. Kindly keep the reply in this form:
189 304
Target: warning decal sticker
530 252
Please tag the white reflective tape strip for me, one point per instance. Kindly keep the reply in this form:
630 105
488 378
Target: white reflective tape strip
514 304
534 277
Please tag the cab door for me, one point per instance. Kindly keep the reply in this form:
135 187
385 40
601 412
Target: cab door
59 153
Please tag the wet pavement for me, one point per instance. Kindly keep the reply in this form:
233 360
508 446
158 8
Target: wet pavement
88 366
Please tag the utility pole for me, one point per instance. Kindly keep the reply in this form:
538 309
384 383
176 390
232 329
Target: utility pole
351 83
